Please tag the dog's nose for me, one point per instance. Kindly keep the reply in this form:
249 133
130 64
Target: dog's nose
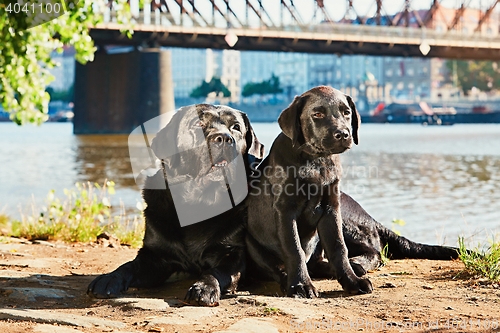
341 134
222 138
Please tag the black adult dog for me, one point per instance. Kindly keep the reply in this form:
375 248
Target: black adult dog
296 202
202 150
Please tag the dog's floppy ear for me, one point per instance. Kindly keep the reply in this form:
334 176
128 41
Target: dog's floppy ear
255 149
289 120
164 144
355 120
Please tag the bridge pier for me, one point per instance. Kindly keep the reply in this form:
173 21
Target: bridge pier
118 92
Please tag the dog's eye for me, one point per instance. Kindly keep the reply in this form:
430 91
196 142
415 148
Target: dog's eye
236 127
347 112
318 115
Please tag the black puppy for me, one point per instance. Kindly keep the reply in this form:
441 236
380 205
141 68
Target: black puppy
296 202
206 152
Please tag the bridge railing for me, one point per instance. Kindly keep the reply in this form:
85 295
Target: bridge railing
161 19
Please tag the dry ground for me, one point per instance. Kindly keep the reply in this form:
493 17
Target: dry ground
42 289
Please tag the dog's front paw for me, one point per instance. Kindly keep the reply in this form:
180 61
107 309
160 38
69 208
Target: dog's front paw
108 285
303 290
356 285
205 292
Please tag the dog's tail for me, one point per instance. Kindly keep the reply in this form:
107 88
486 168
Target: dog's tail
400 247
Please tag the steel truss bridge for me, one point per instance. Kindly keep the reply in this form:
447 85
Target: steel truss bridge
388 28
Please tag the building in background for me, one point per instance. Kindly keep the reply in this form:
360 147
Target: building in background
430 78
467 24
325 69
230 72
189 68
256 66
343 72
419 78
407 78
64 73
357 75
192 66
292 70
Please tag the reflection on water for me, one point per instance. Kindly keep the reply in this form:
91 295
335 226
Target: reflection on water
443 181
439 196
101 157
34 160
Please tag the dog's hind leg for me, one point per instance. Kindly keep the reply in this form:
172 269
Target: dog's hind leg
318 266
366 262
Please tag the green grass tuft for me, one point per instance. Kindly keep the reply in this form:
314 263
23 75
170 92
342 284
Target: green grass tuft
270 311
384 256
396 222
481 263
4 219
80 216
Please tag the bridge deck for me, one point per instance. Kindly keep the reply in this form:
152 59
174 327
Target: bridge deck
339 38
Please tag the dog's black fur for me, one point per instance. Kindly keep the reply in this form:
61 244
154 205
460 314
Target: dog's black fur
213 248
365 239
296 202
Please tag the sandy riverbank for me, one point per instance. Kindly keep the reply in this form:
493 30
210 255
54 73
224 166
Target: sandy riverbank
42 288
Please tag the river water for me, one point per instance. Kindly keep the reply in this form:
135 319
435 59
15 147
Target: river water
443 181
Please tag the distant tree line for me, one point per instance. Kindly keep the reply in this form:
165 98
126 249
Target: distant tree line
61 95
271 86
205 88
484 75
